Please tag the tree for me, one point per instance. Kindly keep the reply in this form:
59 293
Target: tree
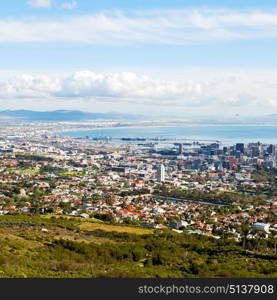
66 207
244 231
273 240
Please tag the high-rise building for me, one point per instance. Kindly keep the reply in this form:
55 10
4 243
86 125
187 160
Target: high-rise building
240 147
161 173
261 149
271 149
255 150
180 149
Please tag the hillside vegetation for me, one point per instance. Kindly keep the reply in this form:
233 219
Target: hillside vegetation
34 246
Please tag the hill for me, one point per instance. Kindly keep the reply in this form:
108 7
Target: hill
61 115
58 247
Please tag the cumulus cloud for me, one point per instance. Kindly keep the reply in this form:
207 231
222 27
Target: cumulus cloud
69 5
239 91
40 3
124 85
28 86
180 27
87 84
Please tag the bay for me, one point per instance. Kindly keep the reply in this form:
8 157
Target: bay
228 134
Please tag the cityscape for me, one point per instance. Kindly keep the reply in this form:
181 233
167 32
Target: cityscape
138 139
194 188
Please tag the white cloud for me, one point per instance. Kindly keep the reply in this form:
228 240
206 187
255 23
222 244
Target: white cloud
69 5
123 86
25 85
236 91
178 27
40 3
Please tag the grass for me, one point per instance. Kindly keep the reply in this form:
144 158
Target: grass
14 237
22 171
28 172
71 218
71 173
88 226
80 248
32 237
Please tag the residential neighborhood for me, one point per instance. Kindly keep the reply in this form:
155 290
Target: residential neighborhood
140 183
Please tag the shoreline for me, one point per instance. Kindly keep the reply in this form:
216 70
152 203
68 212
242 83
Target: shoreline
167 126
219 137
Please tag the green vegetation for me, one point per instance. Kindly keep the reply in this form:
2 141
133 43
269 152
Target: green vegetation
134 192
115 228
35 246
32 157
265 175
29 172
228 198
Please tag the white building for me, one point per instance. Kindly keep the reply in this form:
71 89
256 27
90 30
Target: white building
262 226
161 173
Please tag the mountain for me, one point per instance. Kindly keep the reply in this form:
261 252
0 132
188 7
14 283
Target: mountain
61 115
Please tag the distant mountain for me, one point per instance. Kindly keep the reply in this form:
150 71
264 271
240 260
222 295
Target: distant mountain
62 115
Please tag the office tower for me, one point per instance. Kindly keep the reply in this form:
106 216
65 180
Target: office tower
271 149
240 147
161 173
180 149
261 149
214 146
238 154
225 149
255 151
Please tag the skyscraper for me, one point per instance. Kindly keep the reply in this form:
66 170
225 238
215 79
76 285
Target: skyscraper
271 149
240 147
255 151
180 149
161 173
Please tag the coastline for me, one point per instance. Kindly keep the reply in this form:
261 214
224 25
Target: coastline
266 134
167 126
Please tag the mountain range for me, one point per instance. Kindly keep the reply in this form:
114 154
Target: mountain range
62 115
76 115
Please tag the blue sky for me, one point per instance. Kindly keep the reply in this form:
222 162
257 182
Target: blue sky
253 53
154 56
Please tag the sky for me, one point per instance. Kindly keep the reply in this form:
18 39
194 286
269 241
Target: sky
154 57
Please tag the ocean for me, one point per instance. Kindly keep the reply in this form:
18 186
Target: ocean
225 134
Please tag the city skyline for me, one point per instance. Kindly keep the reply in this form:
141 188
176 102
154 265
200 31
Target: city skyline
182 58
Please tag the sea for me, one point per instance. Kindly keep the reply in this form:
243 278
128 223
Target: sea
227 134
